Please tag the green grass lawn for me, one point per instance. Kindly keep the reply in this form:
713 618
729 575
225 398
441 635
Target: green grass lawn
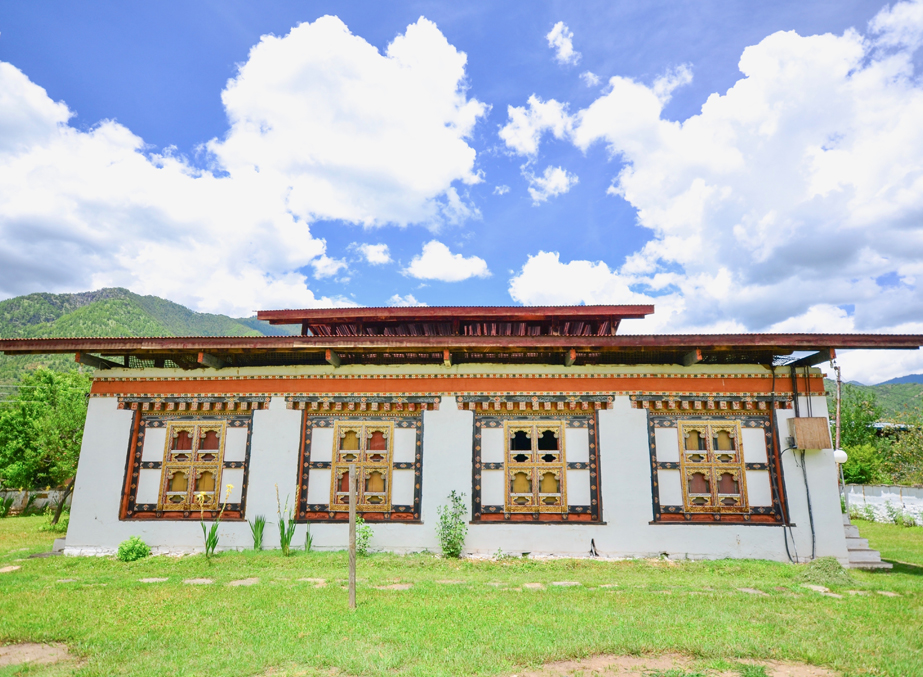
483 623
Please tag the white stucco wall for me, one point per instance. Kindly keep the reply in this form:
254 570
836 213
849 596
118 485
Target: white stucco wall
624 480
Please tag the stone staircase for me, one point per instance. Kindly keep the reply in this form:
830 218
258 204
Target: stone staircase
861 556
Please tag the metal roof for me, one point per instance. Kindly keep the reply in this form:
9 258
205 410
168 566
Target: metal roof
197 351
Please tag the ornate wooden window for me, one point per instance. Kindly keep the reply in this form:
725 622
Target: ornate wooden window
369 446
712 466
535 467
192 465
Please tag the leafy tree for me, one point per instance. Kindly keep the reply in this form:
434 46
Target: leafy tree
858 411
864 466
903 460
41 430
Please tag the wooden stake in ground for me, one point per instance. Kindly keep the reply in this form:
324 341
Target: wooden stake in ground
352 536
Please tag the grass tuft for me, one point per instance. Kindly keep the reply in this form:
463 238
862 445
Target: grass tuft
825 571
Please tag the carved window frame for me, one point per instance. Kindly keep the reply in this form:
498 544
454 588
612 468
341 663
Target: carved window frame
366 464
712 463
193 465
663 513
535 468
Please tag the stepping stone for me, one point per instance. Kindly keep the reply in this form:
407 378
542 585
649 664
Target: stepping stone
244 581
67 580
857 592
198 581
832 594
318 582
451 582
153 580
815 588
752 591
566 584
779 588
533 586
6 570
395 586
609 585
496 585
887 594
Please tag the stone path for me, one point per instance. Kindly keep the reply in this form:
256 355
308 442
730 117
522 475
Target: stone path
318 582
28 652
566 584
198 581
8 569
244 582
753 591
533 586
153 580
395 586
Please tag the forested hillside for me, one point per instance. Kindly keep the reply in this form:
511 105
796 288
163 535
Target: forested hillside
107 312
895 399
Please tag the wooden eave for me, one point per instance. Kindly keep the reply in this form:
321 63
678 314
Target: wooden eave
459 320
197 352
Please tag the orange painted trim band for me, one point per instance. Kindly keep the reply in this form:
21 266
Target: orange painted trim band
755 385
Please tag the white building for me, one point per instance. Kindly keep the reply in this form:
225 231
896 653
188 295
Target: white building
564 436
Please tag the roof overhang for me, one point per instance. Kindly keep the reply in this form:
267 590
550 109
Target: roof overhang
198 352
460 320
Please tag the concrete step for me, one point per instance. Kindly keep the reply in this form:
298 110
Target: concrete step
864 556
861 556
870 565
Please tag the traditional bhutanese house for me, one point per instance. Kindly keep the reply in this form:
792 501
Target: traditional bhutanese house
565 436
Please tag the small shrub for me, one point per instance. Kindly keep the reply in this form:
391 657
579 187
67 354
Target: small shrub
256 528
133 549
825 571
60 527
6 504
286 525
452 528
210 534
363 536
308 540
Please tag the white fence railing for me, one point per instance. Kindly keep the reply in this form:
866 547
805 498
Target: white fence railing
884 503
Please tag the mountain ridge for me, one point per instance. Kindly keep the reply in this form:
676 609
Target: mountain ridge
108 312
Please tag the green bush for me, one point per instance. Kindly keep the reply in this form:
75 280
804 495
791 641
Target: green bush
864 465
363 536
132 549
452 528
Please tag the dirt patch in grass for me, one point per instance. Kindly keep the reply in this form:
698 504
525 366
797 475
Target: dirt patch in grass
673 665
17 654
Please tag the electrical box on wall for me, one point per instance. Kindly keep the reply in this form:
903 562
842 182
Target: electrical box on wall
810 432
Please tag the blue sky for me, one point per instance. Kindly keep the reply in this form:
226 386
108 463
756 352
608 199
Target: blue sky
789 202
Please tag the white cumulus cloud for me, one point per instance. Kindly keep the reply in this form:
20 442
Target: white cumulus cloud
561 39
528 123
375 254
437 262
792 200
590 79
554 181
322 125
405 301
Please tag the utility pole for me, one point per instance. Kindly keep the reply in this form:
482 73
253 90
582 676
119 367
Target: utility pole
352 536
836 445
